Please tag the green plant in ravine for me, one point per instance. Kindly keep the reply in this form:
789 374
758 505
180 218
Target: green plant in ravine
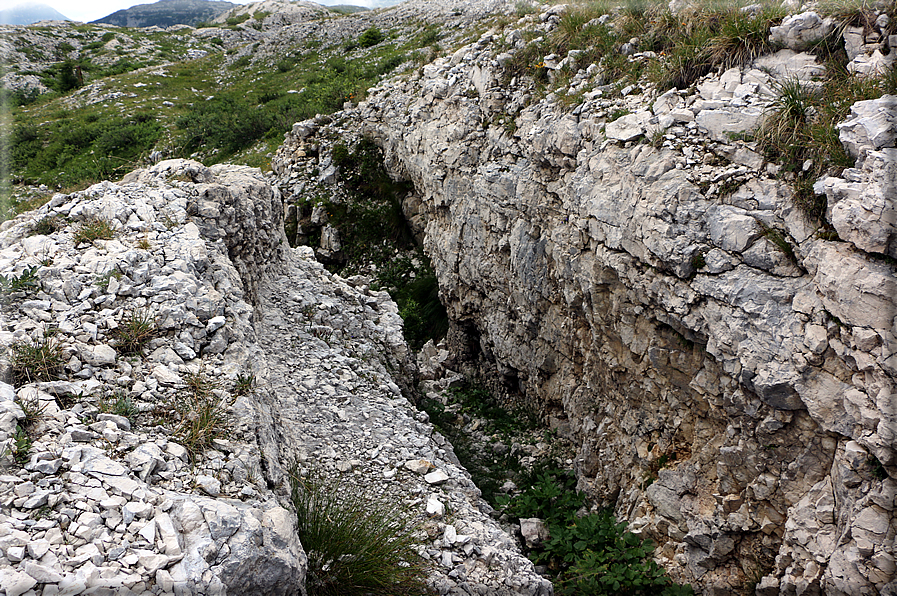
591 554
355 544
373 228
488 468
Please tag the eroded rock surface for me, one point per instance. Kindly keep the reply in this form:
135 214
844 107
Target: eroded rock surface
114 503
731 389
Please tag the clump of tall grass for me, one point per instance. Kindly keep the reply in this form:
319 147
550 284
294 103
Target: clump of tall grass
355 544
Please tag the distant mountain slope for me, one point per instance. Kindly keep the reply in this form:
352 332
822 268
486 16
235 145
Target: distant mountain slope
26 14
347 8
166 13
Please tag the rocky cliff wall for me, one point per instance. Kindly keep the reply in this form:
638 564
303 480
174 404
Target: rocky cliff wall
731 393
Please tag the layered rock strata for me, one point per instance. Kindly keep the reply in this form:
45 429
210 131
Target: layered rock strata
727 372
105 503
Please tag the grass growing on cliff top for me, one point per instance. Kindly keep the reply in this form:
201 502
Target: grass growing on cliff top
688 44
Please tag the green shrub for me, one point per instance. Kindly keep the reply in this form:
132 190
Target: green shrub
370 37
71 150
355 544
222 126
236 20
26 281
241 62
63 77
593 554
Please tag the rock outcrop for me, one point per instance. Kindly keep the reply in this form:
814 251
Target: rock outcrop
727 372
104 489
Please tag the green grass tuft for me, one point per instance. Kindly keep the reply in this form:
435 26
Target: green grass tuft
32 361
134 331
202 415
355 544
94 229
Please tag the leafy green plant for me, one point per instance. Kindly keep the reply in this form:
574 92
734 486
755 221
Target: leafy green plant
592 554
119 404
136 328
355 544
32 361
26 281
21 447
92 229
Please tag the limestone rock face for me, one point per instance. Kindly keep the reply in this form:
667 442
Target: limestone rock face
617 285
798 31
863 200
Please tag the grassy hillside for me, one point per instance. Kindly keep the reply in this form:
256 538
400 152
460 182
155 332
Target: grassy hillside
107 111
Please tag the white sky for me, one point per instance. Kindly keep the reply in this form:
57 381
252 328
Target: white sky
91 10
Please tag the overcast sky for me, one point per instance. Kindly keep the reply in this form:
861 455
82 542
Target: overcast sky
91 10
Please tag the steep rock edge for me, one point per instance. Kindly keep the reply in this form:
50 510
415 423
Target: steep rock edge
104 506
568 266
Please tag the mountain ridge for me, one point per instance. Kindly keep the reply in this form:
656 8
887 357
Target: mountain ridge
27 14
167 13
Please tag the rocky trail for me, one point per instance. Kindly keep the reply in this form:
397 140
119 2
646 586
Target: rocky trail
99 502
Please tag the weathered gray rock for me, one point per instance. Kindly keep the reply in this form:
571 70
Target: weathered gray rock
148 512
618 287
534 531
797 32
